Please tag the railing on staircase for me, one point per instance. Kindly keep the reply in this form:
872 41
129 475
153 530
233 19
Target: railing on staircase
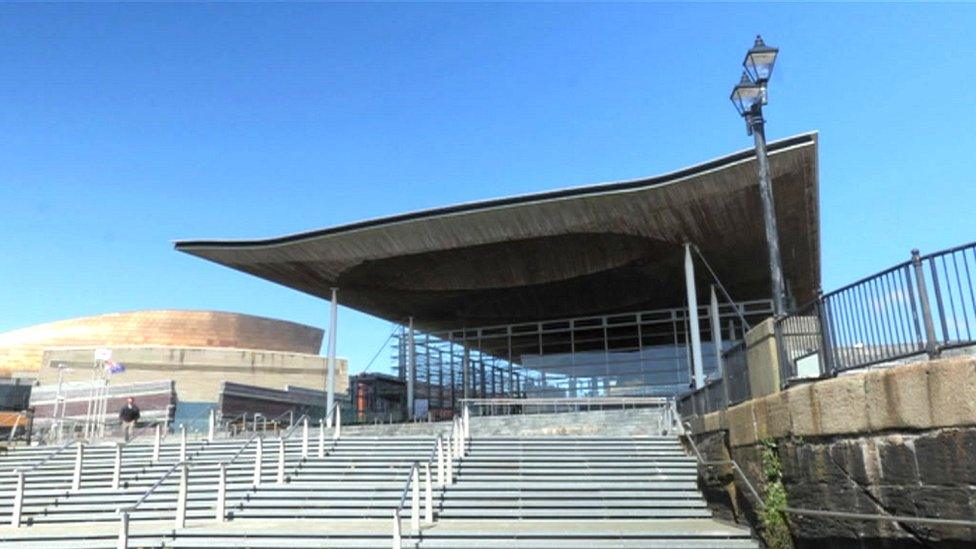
458 437
20 485
886 517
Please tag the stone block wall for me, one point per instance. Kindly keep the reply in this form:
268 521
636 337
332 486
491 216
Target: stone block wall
900 441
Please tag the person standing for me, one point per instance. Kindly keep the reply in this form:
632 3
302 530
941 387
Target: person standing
129 415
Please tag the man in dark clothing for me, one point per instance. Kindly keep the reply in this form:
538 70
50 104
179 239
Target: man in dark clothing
129 414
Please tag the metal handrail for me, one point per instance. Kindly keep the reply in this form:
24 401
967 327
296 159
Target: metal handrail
242 448
294 426
819 512
48 457
197 416
152 489
561 400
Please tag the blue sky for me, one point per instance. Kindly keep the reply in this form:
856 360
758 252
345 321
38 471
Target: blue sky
125 127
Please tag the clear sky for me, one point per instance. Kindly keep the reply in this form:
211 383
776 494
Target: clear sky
125 127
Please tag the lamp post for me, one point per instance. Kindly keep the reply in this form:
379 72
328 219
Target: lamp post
749 96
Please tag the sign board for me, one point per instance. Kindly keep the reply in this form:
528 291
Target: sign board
103 354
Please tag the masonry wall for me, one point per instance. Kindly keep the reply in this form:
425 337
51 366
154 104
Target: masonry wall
900 441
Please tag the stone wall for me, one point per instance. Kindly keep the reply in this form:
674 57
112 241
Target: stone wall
20 350
900 441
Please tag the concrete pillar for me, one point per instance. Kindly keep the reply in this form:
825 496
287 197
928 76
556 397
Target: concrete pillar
221 493
698 374
181 496
716 330
411 368
330 380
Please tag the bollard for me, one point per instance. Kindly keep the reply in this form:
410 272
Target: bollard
18 501
211 425
440 460
415 499
396 529
182 442
428 495
181 496
123 542
117 469
79 457
305 439
281 461
221 492
156 441
338 424
321 438
258 461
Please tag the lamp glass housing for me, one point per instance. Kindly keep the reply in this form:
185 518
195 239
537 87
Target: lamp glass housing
746 95
759 61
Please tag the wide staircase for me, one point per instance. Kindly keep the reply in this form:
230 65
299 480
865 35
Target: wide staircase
518 492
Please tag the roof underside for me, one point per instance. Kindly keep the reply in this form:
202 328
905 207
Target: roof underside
593 250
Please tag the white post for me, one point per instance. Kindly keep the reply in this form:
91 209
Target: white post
467 423
450 464
428 495
182 442
321 438
123 542
396 529
79 457
698 374
156 441
117 469
440 460
281 461
221 492
18 500
305 439
338 424
258 461
212 425
415 500
330 382
181 496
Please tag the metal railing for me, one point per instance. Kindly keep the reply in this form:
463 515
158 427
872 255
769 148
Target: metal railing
510 406
444 458
864 517
925 305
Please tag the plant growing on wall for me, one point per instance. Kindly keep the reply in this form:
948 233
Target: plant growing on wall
775 531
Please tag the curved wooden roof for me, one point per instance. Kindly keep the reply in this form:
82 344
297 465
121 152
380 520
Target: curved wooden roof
589 250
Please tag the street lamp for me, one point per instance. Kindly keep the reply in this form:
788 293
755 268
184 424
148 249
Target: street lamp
749 96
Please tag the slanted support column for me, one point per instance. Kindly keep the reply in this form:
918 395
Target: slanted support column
18 500
330 380
211 425
321 438
156 442
181 496
466 372
717 342
411 368
698 373
258 462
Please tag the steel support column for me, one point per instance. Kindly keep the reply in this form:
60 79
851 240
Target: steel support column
698 373
411 368
330 381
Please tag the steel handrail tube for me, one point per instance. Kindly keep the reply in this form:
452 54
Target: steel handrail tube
47 458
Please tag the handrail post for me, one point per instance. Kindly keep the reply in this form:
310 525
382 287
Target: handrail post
428 495
182 442
338 423
467 423
396 529
923 297
450 461
440 460
156 442
18 500
79 458
123 542
305 438
117 468
281 461
221 493
321 438
258 461
181 496
211 425
415 498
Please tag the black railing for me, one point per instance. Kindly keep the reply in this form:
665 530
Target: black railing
718 394
923 306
